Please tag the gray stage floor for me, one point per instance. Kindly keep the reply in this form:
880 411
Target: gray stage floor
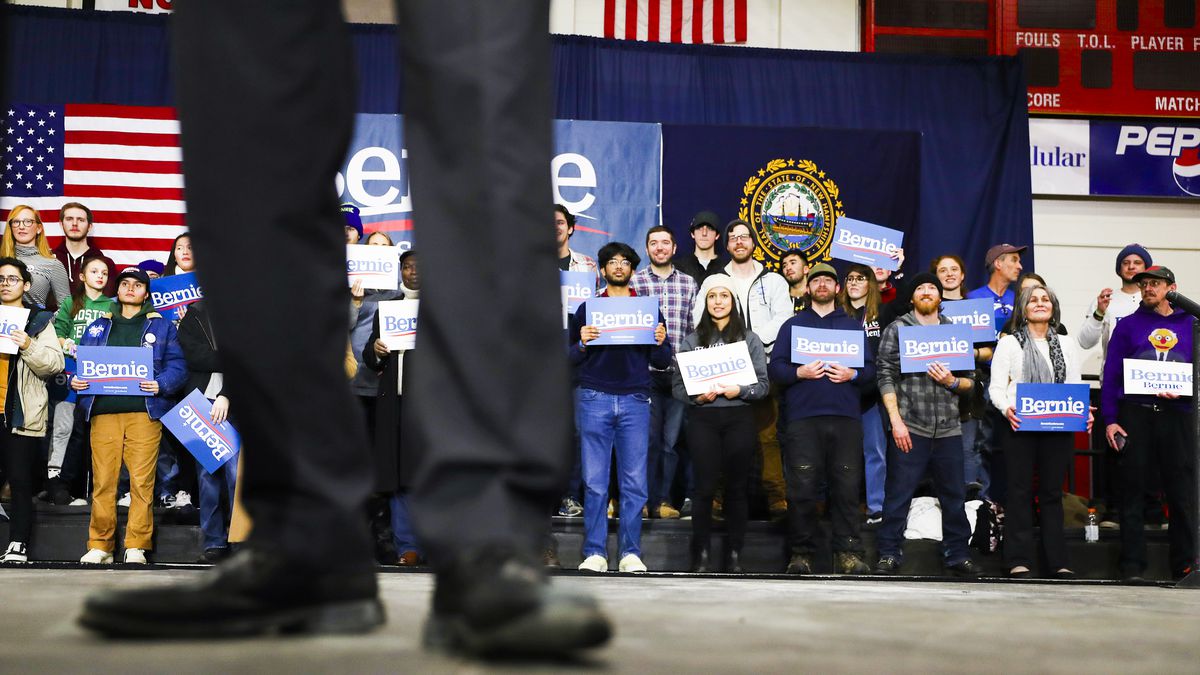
673 624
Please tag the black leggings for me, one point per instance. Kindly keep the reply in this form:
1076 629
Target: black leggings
721 439
1050 454
19 454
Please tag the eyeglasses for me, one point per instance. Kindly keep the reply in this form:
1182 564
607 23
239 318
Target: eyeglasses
26 222
739 237
855 279
10 281
619 263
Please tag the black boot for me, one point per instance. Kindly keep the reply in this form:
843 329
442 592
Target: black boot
494 602
700 561
253 592
735 563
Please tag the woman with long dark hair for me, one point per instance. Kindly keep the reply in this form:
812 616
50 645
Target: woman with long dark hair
860 298
180 259
1034 352
721 432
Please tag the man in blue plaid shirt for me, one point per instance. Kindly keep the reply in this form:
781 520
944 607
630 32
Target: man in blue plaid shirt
676 292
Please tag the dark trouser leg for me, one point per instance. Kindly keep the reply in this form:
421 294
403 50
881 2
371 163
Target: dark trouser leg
704 439
20 455
905 471
737 449
1055 452
947 465
804 464
1020 453
477 115
276 100
1138 423
843 439
78 457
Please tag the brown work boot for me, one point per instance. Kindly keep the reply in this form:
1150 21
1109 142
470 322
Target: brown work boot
850 563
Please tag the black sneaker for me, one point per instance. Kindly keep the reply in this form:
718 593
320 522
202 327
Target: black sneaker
799 564
60 494
887 565
495 603
966 568
212 556
252 593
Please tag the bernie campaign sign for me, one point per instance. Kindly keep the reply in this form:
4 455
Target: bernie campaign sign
11 319
703 370
577 288
115 371
623 321
1145 376
844 347
977 313
376 266
191 422
171 295
947 344
1052 407
398 324
867 244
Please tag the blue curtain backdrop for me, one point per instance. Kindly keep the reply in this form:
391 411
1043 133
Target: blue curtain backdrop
970 112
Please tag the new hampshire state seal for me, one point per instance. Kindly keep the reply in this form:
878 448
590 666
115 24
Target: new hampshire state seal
790 203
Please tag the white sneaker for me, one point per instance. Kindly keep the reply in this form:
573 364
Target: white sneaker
15 553
182 499
78 502
135 555
594 563
124 500
631 563
95 556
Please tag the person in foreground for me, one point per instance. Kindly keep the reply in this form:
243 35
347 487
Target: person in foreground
493 465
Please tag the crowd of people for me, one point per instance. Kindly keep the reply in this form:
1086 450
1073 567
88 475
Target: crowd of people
801 441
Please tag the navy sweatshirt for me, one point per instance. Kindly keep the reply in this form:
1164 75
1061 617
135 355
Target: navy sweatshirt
814 398
615 369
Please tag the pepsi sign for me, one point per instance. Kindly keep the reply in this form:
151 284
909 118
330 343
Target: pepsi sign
1153 160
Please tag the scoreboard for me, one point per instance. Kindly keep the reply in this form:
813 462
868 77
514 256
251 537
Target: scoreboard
1133 58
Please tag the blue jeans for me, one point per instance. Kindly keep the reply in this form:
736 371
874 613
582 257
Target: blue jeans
874 457
214 521
609 422
666 424
943 457
402 530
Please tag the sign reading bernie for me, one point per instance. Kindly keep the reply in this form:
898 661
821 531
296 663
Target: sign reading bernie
12 319
171 295
398 324
622 321
192 423
704 370
1052 407
375 266
844 347
977 313
1143 376
867 244
947 344
114 371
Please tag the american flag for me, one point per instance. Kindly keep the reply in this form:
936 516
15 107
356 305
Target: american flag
122 162
694 21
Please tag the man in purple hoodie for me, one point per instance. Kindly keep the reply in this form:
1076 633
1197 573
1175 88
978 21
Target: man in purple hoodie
1142 427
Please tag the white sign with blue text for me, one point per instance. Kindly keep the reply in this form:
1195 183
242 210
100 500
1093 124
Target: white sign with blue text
977 313
192 423
1052 407
171 295
577 288
866 243
1143 376
114 371
704 370
843 347
398 324
376 266
622 321
947 344
11 319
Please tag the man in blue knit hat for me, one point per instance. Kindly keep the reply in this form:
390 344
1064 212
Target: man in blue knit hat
1110 307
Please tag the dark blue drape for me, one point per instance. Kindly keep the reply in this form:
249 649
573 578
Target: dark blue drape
974 183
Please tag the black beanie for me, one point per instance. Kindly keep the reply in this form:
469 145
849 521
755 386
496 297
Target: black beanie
923 278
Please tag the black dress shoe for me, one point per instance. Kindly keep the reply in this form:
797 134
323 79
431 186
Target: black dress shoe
887 565
493 602
735 563
966 568
799 564
700 562
251 593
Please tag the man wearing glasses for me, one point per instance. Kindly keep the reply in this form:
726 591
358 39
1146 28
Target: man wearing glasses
612 409
823 440
1150 430
766 304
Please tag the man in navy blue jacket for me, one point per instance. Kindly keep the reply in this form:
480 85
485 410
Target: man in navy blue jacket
612 409
823 440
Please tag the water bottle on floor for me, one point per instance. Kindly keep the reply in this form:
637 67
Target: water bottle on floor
1091 530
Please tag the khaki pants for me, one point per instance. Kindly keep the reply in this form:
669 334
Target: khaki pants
766 414
239 522
132 439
